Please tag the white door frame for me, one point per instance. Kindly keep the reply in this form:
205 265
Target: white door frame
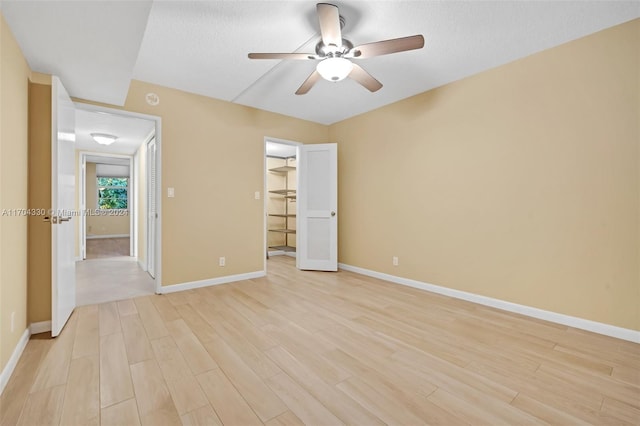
82 188
158 136
264 189
149 219
141 214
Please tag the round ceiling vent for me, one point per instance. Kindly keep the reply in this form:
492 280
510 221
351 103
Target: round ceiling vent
152 99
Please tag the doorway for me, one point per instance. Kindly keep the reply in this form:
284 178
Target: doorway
280 197
106 192
116 185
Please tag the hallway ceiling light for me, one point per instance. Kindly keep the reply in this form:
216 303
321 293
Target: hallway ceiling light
104 138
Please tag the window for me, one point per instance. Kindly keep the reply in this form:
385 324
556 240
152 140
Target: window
113 193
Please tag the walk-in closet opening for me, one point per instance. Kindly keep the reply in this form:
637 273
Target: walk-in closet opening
280 197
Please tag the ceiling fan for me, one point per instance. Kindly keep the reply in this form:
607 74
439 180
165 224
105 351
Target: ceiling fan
335 53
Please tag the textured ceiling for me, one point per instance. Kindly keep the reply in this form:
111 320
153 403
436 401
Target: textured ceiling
96 47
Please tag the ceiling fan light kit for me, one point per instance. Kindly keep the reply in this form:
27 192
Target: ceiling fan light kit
334 69
335 53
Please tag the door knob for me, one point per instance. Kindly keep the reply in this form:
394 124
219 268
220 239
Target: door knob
56 219
333 214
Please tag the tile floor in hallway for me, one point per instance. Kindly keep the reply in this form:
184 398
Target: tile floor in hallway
109 273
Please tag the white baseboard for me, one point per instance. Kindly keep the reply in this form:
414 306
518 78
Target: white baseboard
581 323
213 281
142 265
40 327
96 237
7 371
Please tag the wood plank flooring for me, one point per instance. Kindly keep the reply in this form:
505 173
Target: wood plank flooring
320 349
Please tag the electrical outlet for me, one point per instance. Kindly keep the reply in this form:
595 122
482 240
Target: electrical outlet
394 260
13 321
222 261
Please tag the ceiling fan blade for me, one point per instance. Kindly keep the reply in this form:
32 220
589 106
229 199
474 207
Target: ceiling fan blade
308 83
361 76
329 18
385 47
282 56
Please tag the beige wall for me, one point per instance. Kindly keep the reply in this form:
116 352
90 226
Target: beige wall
14 93
520 183
102 225
39 243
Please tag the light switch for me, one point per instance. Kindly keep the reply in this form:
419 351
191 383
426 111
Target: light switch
171 192
257 195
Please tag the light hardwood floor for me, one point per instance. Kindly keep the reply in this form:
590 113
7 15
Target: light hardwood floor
319 349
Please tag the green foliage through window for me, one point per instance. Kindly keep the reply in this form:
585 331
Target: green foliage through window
113 193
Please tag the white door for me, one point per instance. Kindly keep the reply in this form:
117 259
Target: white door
317 202
151 207
63 180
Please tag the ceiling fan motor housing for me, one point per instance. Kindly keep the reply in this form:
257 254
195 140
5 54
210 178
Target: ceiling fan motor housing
333 51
